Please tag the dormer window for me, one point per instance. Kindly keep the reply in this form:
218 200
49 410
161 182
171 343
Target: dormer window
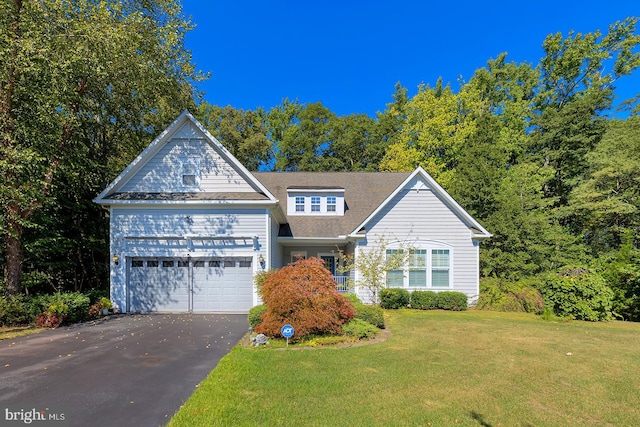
315 204
315 201
331 204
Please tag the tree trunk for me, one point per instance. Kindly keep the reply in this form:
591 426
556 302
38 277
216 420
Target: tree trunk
14 257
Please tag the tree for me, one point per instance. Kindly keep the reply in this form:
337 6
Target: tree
374 264
304 295
431 135
303 138
243 133
81 85
606 204
574 91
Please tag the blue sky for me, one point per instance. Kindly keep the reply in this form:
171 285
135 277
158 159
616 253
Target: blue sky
349 54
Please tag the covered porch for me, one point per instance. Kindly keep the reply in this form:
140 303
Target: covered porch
330 251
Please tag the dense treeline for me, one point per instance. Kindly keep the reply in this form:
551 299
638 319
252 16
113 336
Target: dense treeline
535 152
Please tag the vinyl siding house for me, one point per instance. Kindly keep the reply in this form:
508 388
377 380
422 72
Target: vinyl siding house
191 226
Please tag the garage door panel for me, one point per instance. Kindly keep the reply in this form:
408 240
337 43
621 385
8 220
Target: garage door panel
217 284
158 285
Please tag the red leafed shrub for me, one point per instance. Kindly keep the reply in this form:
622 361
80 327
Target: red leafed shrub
303 295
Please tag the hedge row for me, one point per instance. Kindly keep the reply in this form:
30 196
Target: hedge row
393 298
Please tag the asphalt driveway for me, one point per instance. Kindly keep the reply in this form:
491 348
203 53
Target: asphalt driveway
124 370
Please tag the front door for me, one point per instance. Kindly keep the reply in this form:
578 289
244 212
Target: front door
329 263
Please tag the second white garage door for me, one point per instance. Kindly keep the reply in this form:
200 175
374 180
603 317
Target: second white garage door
215 284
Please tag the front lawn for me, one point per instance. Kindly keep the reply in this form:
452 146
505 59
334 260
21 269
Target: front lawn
435 368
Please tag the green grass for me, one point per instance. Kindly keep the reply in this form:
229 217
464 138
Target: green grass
9 332
436 368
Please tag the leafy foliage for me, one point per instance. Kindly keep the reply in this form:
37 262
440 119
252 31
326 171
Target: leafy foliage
393 298
579 294
504 295
255 314
359 329
14 310
304 295
424 300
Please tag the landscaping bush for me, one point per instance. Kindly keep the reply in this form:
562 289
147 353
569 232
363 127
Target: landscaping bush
255 315
304 295
359 329
68 307
393 298
14 311
424 300
95 295
502 295
451 300
370 314
579 294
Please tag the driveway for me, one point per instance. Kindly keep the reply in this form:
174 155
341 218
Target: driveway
123 370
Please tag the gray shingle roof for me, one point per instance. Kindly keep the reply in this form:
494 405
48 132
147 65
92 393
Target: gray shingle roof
363 193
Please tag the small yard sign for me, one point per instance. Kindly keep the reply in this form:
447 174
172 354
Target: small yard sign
287 332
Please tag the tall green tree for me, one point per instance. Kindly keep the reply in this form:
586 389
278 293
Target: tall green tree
303 136
578 75
243 133
431 135
81 80
605 206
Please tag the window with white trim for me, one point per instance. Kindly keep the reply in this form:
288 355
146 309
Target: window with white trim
424 268
315 204
299 204
331 204
440 267
190 173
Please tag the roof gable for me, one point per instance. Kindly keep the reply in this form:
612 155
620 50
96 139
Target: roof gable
426 182
185 147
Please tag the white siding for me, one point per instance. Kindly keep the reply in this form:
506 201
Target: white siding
163 172
420 217
169 232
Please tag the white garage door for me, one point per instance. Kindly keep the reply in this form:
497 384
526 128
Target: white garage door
190 284
223 284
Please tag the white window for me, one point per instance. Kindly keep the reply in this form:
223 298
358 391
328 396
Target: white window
315 204
331 204
190 173
315 201
424 268
440 268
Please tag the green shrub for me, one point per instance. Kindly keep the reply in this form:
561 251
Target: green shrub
371 314
578 293
502 295
255 315
393 298
451 300
353 298
68 307
424 300
14 311
96 294
359 329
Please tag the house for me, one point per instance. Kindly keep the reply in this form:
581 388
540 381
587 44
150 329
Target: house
191 226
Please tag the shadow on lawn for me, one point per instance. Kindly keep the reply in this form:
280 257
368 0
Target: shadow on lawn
480 419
